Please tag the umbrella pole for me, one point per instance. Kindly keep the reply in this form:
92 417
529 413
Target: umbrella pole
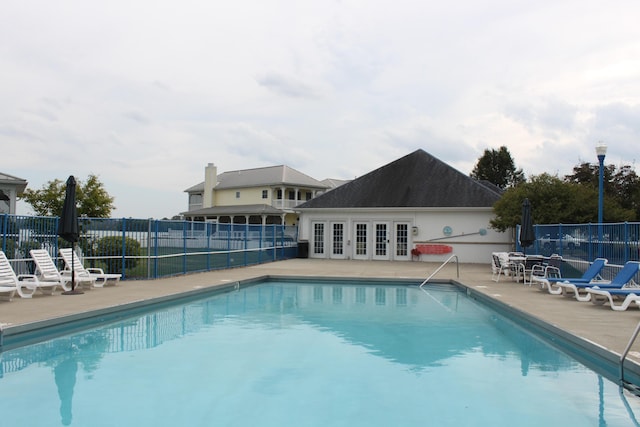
73 290
73 268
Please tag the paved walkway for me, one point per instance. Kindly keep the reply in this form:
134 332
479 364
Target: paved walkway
598 324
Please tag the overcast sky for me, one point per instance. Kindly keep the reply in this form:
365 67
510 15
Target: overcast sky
145 93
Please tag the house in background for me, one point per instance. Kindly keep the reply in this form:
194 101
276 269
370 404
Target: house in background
416 200
10 188
251 196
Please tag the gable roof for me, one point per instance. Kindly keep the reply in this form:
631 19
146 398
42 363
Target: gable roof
19 183
415 180
266 176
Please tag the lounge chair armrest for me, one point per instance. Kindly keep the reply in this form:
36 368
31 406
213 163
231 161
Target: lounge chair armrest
538 270
95 270
551 271
27 278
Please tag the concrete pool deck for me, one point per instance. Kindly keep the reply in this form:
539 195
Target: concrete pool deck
598 324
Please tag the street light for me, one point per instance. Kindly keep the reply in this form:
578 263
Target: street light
601 151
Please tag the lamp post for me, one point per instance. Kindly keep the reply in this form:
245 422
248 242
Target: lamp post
601 151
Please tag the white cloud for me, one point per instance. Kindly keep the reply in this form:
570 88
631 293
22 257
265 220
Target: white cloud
145 94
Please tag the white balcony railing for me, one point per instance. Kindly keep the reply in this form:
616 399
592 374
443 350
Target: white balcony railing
286 203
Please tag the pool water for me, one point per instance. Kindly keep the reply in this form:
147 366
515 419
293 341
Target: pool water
308 354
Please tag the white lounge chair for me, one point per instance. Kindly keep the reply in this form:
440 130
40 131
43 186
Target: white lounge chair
25 285
500 265
8 280
101 278
46 270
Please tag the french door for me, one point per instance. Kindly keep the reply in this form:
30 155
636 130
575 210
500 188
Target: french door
361 240
381 241
337 240
401 241
318 240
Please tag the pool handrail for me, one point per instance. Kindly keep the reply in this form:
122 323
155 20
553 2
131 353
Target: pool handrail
441 267
623 356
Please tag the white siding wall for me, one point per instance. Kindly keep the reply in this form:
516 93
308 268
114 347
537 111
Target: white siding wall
466 224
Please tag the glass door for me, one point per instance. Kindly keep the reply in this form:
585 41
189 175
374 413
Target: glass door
381 240
361 240
317 245
337 240
401 241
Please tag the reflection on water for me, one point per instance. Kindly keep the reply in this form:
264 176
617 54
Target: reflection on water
65 376
419 330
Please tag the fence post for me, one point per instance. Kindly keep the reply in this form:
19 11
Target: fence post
124 245
590 240
260 235
207 234
149 261
273 243
5 221
627 250
184 247
229 243
156 239
246 242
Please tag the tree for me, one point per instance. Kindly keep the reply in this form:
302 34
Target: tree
497 167
92 199
554 201
621 184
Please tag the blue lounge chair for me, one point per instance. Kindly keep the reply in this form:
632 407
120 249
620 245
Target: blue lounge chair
600 296
621 279
592 273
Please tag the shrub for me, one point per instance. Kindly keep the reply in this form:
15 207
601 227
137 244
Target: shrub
110 250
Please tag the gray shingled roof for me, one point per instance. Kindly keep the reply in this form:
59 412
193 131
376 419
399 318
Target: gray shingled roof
260 209
21 184
415 180
267 176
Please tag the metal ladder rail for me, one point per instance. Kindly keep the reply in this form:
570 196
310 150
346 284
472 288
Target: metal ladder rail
441 267
623 356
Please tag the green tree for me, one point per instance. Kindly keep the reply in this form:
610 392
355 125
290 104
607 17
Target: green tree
497 167
92 199
555 201
622 184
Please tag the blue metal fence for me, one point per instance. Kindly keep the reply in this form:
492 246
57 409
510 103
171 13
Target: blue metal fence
618 242
149 248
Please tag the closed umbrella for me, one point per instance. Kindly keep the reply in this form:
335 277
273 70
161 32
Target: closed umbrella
68 227
527 234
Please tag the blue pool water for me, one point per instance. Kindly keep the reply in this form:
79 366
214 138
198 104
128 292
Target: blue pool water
308 354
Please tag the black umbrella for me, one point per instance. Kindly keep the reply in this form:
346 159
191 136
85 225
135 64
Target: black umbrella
527 235
68 227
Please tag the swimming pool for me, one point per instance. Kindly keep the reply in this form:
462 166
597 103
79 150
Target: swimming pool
283 353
